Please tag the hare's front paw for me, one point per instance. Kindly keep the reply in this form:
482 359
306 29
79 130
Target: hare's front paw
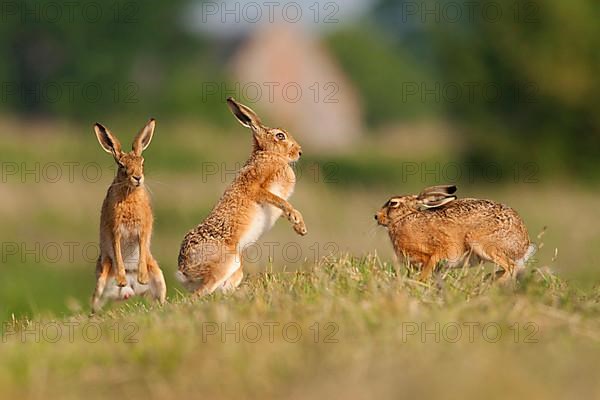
296 218
300 228
142 275
121 278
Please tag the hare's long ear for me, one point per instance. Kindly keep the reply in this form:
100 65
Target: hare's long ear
441 190
244 114
143 139
436 196
107 140
435 202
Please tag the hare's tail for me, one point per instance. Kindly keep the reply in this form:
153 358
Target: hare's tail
531 250
181 278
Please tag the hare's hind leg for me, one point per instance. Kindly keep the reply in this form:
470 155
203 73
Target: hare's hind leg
103 267
158 287
234 281
492 253
215 275
508 266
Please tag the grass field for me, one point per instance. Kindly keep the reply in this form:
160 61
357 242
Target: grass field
318 315
346 328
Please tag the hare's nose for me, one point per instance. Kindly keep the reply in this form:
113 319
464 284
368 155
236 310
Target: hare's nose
137 178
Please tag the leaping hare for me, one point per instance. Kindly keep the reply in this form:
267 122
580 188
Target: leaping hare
435 226
210 254
125 266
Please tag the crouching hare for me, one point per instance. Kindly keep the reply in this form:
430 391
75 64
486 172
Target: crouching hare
210 254
126 267
436 226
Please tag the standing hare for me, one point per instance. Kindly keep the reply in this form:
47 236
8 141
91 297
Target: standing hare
210 254
435 226
125 266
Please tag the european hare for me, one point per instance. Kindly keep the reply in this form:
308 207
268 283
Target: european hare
435 226
210 254
125 266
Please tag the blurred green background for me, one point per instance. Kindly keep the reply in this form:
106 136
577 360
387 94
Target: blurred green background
500 97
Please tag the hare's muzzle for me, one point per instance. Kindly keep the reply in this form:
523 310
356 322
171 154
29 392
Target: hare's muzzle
381 219
296 153
137 180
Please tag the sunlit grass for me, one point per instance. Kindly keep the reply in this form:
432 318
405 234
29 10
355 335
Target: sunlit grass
347 326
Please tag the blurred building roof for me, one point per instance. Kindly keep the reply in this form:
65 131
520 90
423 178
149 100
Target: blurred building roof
287 74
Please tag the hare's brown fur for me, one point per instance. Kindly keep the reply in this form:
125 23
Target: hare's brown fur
435 226
126 266
210 254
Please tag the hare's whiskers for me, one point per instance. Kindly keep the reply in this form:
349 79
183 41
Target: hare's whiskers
159 182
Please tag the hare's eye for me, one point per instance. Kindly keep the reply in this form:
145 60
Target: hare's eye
280 136
394 203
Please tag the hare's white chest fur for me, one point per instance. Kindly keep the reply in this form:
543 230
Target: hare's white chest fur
264 217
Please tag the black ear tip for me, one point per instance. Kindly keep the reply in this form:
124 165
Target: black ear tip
452 189
230 99
152 120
